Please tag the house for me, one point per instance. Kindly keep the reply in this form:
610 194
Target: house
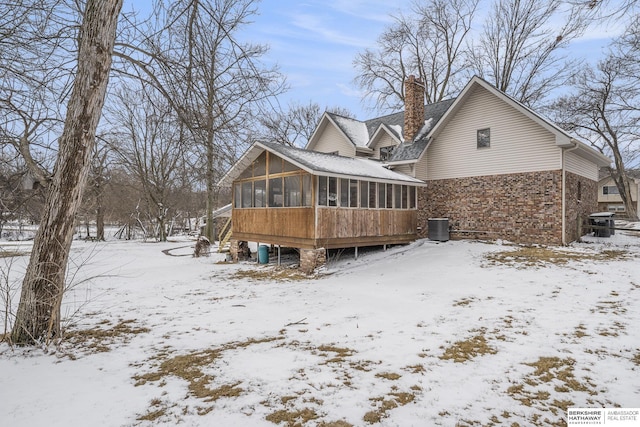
314 201
493 167
609 199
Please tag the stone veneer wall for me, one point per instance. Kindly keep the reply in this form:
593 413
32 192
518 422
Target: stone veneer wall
522 208
310 259
239 250
579 209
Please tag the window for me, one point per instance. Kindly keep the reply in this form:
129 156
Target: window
275 164
237 195
322 191
306 190
353 193
275 193
386 152
260 194
382 197
610 189
389 196
292 191
260 165
344 192
412 197
333 191
372 194
247 194
484 138
364 194
397 196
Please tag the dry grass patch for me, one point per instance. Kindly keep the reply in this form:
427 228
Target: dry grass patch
550 374
190 367
157 409
463 302
541 256
385 404
391 376
609 307
270 274
613 331
103 337
462 351
339 354
415 369
293 418
580 331
636 359
339 423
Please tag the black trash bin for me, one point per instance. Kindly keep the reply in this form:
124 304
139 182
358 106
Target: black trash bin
602 223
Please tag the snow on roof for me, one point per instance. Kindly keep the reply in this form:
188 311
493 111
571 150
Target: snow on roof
355 130
334 165
317 163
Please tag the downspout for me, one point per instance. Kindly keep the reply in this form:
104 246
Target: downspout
564 192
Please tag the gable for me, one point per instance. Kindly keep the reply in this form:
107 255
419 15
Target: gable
517 143
382 139
329 138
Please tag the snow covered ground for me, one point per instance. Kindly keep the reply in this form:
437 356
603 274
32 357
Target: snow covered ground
456 333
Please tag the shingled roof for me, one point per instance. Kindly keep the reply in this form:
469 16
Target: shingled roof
318 163
360 133
408 151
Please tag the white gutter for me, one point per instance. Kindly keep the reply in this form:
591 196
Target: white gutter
564 190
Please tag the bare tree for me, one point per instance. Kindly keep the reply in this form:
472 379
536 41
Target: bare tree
522 50
295 126
604 108
35 39
38 315
192 55
600 112
152 148
428 43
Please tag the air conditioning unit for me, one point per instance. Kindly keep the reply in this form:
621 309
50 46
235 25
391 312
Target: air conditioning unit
438 229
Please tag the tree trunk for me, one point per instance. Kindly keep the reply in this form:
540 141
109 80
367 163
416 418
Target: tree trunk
208 231
38 315
100 219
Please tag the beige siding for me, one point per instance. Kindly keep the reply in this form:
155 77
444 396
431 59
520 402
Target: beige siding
384 140
405 169
580 166
615 198
518 144
331 140
421 168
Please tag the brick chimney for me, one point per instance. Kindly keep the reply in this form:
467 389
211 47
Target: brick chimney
413 107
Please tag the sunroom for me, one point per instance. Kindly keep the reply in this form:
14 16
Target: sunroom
303 199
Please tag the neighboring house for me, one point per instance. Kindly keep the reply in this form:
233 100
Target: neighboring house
493 167
609 199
